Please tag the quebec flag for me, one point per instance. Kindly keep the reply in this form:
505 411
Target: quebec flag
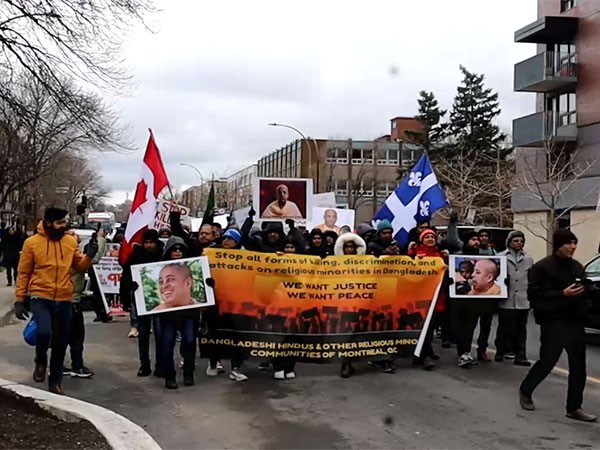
415 199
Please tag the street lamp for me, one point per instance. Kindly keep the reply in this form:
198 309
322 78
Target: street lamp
201 179
309 153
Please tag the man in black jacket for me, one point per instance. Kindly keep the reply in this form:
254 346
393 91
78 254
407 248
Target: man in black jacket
557 294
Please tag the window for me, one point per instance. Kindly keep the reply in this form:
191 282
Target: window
382 189
367 156
565 5
356 156
366 188
341 187
342 155
331 155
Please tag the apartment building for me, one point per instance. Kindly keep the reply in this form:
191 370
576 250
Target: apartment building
559 144
239 187
362 174
196 197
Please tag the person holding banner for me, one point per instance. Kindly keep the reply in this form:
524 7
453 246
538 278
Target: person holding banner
384 243
349 244
316 244
186 322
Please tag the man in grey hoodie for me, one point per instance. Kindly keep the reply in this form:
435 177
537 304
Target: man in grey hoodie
513 312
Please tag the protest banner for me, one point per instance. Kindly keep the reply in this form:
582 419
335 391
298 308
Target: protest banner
164 208
172 285
108 276
318 310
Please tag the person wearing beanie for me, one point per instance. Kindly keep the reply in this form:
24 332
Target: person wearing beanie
366 231
428 247
413 234
150 250
558 294
330 239
485 246
384 243
316 244
511 336
232 239
44 275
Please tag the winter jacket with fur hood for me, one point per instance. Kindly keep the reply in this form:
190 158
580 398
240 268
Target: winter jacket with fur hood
361 245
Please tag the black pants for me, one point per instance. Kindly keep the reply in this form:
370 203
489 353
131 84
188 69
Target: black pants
465 314
437 319
97 297
512 332
287 365
554 337
11 271
76 337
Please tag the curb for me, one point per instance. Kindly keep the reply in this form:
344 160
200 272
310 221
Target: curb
119 432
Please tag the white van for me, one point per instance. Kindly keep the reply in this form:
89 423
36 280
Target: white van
106 220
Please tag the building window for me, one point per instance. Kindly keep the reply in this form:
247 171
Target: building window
362 156
341 187
366 188
389 158
565 5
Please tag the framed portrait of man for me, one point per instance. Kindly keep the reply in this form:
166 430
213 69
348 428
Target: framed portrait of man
283 198
478 276
172 285
332 219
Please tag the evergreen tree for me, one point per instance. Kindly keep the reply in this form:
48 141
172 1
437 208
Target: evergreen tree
430 115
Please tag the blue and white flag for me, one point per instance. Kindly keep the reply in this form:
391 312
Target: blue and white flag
415 199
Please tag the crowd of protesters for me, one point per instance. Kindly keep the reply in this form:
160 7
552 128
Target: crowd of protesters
553 288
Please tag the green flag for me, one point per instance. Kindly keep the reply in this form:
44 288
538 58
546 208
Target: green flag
210 206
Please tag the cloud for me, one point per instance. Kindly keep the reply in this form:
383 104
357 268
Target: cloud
214 74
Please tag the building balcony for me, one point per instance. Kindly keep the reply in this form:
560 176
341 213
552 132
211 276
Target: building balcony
547 72
539 129
549 30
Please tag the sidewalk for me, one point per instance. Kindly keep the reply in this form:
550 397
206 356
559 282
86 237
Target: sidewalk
7 298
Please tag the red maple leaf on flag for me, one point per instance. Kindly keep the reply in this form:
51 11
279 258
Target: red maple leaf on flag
141 195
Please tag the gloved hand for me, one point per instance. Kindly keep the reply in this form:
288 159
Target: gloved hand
453 217
20 311
210 282
134 286
290 223
251 213
92 248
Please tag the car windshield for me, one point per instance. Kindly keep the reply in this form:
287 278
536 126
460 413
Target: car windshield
593 267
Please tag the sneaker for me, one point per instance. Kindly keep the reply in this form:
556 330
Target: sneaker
133 333
347 370
211 372
98 319
181 363
384 366
67 371
264 366
107 319
290 375
188 379
56 389
526 401
171 384
280 375
84 372
220 367
498 357
578 414
159 372
510 355
472 361
144 371
236 375
428 364
39 373
522 362
464 361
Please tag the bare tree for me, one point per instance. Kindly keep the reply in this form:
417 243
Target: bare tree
56 41
31 145
547 177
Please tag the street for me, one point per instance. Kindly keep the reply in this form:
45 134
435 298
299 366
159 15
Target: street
447 408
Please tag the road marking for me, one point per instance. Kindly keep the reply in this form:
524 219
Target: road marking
559 370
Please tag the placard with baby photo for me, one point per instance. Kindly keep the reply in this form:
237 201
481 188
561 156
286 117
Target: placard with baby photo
478 276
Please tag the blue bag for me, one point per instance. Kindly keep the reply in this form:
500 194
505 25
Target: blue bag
30 332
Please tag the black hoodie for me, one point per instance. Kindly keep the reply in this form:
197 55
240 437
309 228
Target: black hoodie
317 251
261 243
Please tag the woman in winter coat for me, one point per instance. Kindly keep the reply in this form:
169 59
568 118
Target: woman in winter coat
428 248
11 246
316 244
349 244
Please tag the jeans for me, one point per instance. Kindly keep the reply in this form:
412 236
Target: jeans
77 337
133 316
556 336
485 329
54 322
145 324
168 337
512 332
11 272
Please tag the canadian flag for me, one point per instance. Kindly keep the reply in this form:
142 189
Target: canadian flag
153 180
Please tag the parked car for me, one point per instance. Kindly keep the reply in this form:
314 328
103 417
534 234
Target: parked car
592 273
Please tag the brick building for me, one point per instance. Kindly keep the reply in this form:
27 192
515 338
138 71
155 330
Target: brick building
239 187
564 76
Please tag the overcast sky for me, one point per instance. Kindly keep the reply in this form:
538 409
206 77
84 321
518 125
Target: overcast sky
215 73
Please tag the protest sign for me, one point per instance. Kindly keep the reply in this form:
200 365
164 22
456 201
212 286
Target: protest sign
332 219
478 276
108 276
283 198
318 310
164 208
172 285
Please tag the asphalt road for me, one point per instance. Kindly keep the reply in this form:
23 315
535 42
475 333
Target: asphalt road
447 408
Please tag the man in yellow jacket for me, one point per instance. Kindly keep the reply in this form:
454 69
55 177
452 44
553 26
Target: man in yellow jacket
44 275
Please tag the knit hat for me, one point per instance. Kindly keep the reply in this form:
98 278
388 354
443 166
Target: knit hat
384 225
53 214
150 235
562 237
468 235
426 232
234 234
513 235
